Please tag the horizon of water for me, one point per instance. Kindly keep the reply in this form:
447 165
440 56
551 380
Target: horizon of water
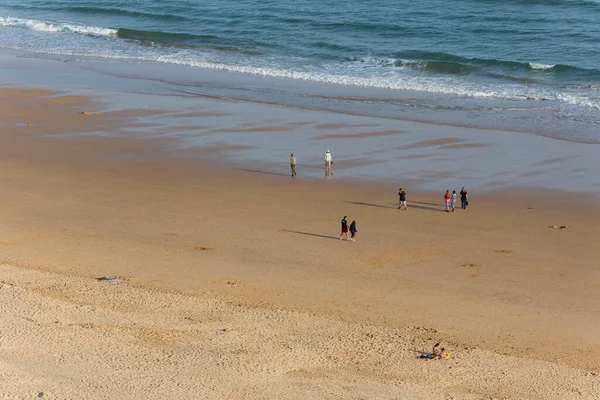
528 65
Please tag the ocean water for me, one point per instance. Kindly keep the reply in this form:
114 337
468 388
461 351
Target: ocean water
525 65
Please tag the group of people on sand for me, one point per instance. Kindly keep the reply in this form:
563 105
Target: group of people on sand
449 199
348 232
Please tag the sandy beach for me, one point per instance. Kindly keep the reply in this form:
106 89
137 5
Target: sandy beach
232 282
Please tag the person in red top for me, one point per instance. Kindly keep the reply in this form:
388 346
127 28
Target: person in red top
447 198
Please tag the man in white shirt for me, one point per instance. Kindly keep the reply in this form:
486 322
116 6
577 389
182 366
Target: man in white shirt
328 161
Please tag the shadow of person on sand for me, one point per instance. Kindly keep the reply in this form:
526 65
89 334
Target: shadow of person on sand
261 172
412 205
425 203
310 234
360 203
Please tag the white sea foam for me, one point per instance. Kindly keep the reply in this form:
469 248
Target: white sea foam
42 26
540 66
368 73
392 81
413 63
578 100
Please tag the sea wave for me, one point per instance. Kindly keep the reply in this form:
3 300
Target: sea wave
412 70
187 41
42 26
444 63
141 37
162 37
393 82
437 57
432 62
541 66
96 10
124 12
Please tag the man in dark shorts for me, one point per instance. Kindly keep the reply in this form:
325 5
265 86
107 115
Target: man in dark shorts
402 202
344 229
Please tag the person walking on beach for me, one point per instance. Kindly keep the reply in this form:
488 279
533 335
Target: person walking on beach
353 230
453 201
447 200
293 165
402 201
328 162
344 228
464 198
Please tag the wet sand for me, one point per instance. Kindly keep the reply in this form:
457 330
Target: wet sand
363 147
236 285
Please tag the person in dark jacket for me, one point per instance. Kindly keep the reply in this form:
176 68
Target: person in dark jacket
464 198
353 230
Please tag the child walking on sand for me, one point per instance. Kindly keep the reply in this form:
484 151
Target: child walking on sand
353 230
453 201
447 200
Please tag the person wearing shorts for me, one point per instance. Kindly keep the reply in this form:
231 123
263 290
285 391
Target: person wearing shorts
402 201
344 229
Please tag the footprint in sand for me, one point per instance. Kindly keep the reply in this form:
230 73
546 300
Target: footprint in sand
474 267
201 248
230 282
503 251
6 285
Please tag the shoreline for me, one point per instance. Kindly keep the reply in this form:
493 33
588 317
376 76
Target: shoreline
145 77
366 148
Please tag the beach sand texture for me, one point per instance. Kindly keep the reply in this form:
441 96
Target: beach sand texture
235 284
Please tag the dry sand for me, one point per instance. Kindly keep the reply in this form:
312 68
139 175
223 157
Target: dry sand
236 285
